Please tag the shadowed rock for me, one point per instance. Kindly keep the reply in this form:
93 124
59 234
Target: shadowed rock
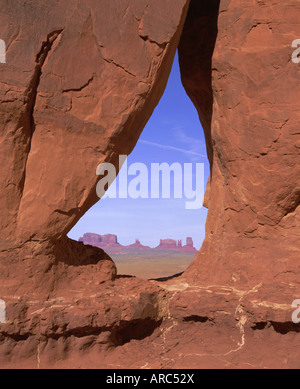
81 80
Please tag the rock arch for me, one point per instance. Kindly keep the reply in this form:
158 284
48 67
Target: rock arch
61 118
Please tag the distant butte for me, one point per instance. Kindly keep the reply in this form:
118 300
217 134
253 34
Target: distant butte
80 82
110 244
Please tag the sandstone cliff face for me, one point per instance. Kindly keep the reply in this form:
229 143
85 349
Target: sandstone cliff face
80 82
110 244
238 71
74 95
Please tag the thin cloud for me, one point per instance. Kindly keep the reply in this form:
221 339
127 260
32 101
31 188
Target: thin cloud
167 147
193 143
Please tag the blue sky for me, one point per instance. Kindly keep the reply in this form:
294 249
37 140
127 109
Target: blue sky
173 134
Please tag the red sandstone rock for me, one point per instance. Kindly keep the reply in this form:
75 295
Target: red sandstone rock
236 67
79 85
176 246
110 244
62 114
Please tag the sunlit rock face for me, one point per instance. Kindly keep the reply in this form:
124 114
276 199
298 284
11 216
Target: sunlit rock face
80 81
236 66
79 84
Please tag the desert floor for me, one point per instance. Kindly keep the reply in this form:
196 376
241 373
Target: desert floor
152 266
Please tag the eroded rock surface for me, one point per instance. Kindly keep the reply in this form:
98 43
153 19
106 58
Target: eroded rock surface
238 71
80 82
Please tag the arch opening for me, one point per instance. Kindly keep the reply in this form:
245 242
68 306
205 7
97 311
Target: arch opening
178 132
155 237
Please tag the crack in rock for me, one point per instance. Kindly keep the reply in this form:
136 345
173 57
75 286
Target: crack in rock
27 119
